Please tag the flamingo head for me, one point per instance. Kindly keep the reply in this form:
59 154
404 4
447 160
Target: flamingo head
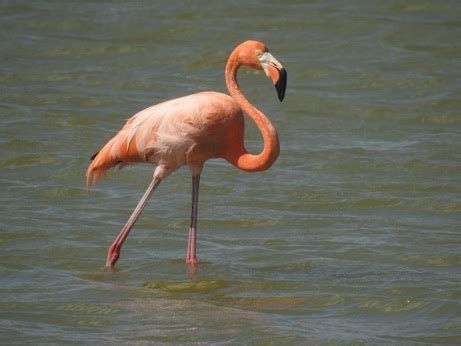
255 54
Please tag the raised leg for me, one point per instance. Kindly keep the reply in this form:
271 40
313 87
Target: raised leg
114 250
191 257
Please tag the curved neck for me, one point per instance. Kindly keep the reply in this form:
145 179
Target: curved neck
244 160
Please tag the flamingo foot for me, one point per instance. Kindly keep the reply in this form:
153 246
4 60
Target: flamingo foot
112 256
192 261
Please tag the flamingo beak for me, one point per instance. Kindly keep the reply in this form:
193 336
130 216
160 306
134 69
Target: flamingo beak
281 84
275 71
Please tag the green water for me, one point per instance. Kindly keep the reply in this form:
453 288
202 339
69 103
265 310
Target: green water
353 236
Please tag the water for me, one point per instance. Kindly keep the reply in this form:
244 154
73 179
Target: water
351 237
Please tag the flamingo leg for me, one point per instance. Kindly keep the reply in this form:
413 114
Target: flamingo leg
114 250
191 257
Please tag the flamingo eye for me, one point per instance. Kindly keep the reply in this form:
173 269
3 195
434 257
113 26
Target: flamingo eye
258 53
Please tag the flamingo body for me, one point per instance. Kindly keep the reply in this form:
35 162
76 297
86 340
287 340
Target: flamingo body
185 131
191 130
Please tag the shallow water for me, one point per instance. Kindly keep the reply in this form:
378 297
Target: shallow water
352 236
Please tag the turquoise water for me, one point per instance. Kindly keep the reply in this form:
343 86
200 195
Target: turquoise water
353 236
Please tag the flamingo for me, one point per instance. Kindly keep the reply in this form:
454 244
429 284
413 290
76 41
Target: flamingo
190 130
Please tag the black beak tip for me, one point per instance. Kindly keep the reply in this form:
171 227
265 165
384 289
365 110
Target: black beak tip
281 84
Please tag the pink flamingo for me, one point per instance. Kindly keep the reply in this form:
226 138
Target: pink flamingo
190 130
